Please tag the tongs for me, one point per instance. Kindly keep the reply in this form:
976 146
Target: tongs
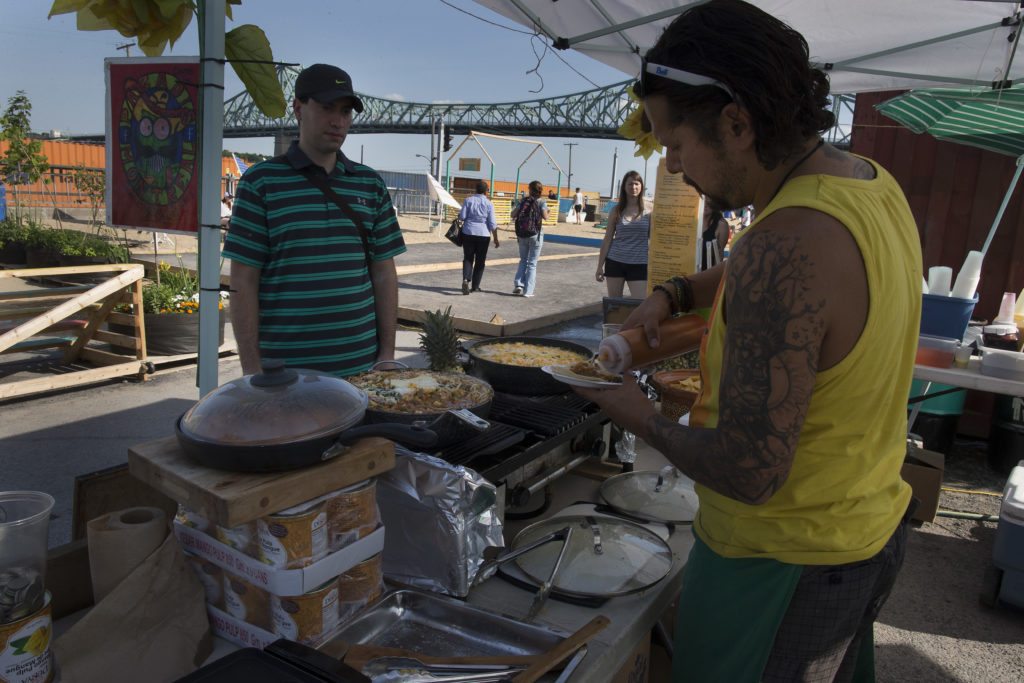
564 534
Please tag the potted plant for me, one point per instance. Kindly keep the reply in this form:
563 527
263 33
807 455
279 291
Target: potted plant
171 310
13 235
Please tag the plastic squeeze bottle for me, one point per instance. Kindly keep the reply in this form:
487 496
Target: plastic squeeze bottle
1002 333
629 349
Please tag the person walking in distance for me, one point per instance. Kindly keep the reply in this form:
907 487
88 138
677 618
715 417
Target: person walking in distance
312 244
528 218
799 432
577 205
623 255
478 226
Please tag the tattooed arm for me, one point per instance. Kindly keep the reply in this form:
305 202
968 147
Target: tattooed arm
782 283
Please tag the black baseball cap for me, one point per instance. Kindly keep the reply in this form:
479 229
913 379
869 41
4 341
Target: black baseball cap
326 83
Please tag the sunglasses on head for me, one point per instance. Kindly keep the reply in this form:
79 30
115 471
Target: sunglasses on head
649 69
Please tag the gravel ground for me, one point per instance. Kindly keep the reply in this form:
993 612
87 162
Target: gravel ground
934 627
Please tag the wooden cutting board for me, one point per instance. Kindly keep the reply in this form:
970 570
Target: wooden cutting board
233 498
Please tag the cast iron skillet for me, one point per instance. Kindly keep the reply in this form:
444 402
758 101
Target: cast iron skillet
297 454
516 379
246 404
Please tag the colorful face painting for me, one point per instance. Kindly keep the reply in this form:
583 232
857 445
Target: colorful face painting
157 137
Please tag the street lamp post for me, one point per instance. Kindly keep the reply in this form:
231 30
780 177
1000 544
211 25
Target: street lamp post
568 181
430 171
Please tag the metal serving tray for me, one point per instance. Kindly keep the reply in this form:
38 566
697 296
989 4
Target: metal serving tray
437 625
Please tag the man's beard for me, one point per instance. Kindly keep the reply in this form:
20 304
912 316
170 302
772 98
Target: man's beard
716 202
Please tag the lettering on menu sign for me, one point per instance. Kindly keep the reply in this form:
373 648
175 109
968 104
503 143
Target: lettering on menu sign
675 228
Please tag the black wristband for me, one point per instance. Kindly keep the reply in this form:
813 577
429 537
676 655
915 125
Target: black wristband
685 289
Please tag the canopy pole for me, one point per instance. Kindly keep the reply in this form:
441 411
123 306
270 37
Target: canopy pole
1006 201
211 51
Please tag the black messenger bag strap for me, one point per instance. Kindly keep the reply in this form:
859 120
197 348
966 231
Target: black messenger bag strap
320 182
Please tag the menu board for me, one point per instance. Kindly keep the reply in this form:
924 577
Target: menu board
675 228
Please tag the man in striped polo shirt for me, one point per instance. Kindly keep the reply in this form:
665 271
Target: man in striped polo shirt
312 244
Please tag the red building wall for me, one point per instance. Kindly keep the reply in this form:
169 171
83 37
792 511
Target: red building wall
954 192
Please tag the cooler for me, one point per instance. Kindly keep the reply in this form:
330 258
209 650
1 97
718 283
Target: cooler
1008 551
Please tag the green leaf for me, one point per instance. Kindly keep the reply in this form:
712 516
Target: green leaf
19 645
66 6
248 42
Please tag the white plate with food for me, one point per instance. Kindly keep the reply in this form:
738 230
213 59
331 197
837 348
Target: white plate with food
584 374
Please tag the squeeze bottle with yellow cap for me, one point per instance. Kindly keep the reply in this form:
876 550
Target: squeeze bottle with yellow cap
629 349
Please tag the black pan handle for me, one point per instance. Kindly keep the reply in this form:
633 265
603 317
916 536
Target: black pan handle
415 436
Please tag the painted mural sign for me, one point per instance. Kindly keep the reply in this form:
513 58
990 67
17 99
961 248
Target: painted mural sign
153 143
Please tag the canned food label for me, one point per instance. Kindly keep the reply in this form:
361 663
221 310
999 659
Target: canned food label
211 576
296 543
305 619
233 602
25 657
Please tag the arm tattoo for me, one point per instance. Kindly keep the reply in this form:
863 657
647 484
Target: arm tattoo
773 343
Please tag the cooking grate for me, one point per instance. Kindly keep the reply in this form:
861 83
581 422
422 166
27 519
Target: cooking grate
494 439
545 418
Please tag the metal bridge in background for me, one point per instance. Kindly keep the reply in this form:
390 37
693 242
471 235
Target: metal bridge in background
592 114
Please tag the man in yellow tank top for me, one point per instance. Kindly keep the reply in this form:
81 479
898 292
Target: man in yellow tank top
798 436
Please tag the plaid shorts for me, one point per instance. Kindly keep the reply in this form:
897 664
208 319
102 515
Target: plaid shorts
764 620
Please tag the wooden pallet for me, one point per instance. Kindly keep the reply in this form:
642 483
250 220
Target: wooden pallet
70 318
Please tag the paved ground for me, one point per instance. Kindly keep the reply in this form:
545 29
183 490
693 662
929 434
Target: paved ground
932 629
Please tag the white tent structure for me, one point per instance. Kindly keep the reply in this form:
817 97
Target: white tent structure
864 45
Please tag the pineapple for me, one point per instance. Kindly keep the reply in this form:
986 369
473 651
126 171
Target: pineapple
440 342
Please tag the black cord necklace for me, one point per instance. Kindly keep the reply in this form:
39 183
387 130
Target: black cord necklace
793 168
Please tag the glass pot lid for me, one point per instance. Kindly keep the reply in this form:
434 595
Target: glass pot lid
278 406
605 558
663 496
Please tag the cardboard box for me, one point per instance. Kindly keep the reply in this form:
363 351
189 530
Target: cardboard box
271 579
923 469
636 668
237 631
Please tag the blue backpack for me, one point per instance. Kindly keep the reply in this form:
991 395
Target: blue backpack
529 218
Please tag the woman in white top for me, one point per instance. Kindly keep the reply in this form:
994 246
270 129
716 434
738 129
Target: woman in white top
623 257
577 205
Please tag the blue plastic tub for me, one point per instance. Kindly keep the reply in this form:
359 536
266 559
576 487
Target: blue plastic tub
946 316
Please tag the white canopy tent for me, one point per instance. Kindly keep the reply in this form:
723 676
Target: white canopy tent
865 45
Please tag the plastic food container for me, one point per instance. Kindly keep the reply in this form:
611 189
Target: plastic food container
1002 364
936 352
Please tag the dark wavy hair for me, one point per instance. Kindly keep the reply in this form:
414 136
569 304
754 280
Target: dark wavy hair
482 187
632 175
763 60
536 188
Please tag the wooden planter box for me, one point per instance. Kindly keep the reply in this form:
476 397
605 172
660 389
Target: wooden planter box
171 334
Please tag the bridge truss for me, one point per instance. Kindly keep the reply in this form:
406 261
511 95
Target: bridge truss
592 114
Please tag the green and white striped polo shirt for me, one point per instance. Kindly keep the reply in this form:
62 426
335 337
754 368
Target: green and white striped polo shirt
316 298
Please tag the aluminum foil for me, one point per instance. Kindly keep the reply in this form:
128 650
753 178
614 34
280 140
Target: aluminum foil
439 519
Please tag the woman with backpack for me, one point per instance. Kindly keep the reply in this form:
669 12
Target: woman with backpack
623 256
478 227
527 218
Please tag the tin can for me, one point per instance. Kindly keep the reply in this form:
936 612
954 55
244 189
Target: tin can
360 586
242 538
294 538
212 578
247 602
306 618
25 648
352 514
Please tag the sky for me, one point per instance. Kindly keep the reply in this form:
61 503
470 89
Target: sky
411 50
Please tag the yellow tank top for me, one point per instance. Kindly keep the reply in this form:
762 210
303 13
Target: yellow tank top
844 495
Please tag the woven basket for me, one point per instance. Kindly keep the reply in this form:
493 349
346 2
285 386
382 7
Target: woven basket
674 402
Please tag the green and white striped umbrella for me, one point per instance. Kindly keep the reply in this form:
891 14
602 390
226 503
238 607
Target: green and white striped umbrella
989 119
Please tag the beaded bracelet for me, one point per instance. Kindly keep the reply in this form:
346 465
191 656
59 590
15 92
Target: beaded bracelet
673 302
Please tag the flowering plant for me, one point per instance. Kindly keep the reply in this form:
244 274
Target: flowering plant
637 128
176 292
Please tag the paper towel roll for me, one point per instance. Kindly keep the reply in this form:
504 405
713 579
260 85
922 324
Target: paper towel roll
119 542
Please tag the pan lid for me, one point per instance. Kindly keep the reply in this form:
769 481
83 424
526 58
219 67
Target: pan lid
277 406
660 496
605 557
